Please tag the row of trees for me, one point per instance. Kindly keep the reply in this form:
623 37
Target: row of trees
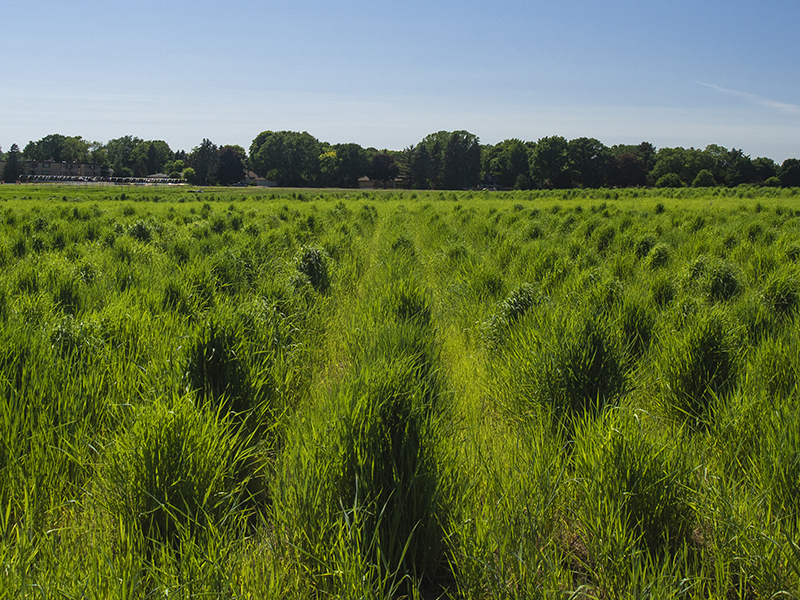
441 160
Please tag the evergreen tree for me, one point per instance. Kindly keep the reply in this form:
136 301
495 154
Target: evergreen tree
13 167
420 167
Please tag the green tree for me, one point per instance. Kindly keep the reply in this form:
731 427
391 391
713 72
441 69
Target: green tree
289 157
436 144
204 159
589 162
328 168
549 163
670 180
419 171
231 167
628 170
353 164
151 156
120 153
57 148
13 167
461 168
683 162
705 178
383 167
789 173
506 161
765 168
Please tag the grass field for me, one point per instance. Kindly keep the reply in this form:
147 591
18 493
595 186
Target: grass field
300 393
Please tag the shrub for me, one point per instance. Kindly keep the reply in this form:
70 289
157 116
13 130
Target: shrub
705 178
670 180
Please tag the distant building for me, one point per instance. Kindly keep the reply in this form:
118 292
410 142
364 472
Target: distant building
60 169
250 178
365 183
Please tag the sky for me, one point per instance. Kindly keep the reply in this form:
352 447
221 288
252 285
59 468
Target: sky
385 74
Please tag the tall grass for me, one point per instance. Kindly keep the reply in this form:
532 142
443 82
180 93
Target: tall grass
240 393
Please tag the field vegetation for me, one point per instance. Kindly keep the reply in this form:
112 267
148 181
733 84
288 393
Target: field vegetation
243 393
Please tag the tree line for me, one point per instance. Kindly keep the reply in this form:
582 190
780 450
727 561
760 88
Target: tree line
447 160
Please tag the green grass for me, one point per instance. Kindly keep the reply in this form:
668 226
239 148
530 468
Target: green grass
297 393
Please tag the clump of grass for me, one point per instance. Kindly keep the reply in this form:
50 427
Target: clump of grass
780 465
312 265
564 362
175 466
403 244
407 302
636 320
509 311
633 489
782 294
658 256
366 459
774 366
698 366
176 297
722 280
662 291
216 369
76 338
644 245
141 231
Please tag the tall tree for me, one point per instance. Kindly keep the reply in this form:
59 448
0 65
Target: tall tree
205 160
231 165
57 148
765 168
506 161
383 167
353 164
683 162
462 161
589 162
289 157
628 170
121 153
549 162
789 173
13 167
420 167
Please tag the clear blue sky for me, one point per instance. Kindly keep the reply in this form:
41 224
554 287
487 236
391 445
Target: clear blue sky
386 74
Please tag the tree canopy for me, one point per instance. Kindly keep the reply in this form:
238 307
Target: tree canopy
441 160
